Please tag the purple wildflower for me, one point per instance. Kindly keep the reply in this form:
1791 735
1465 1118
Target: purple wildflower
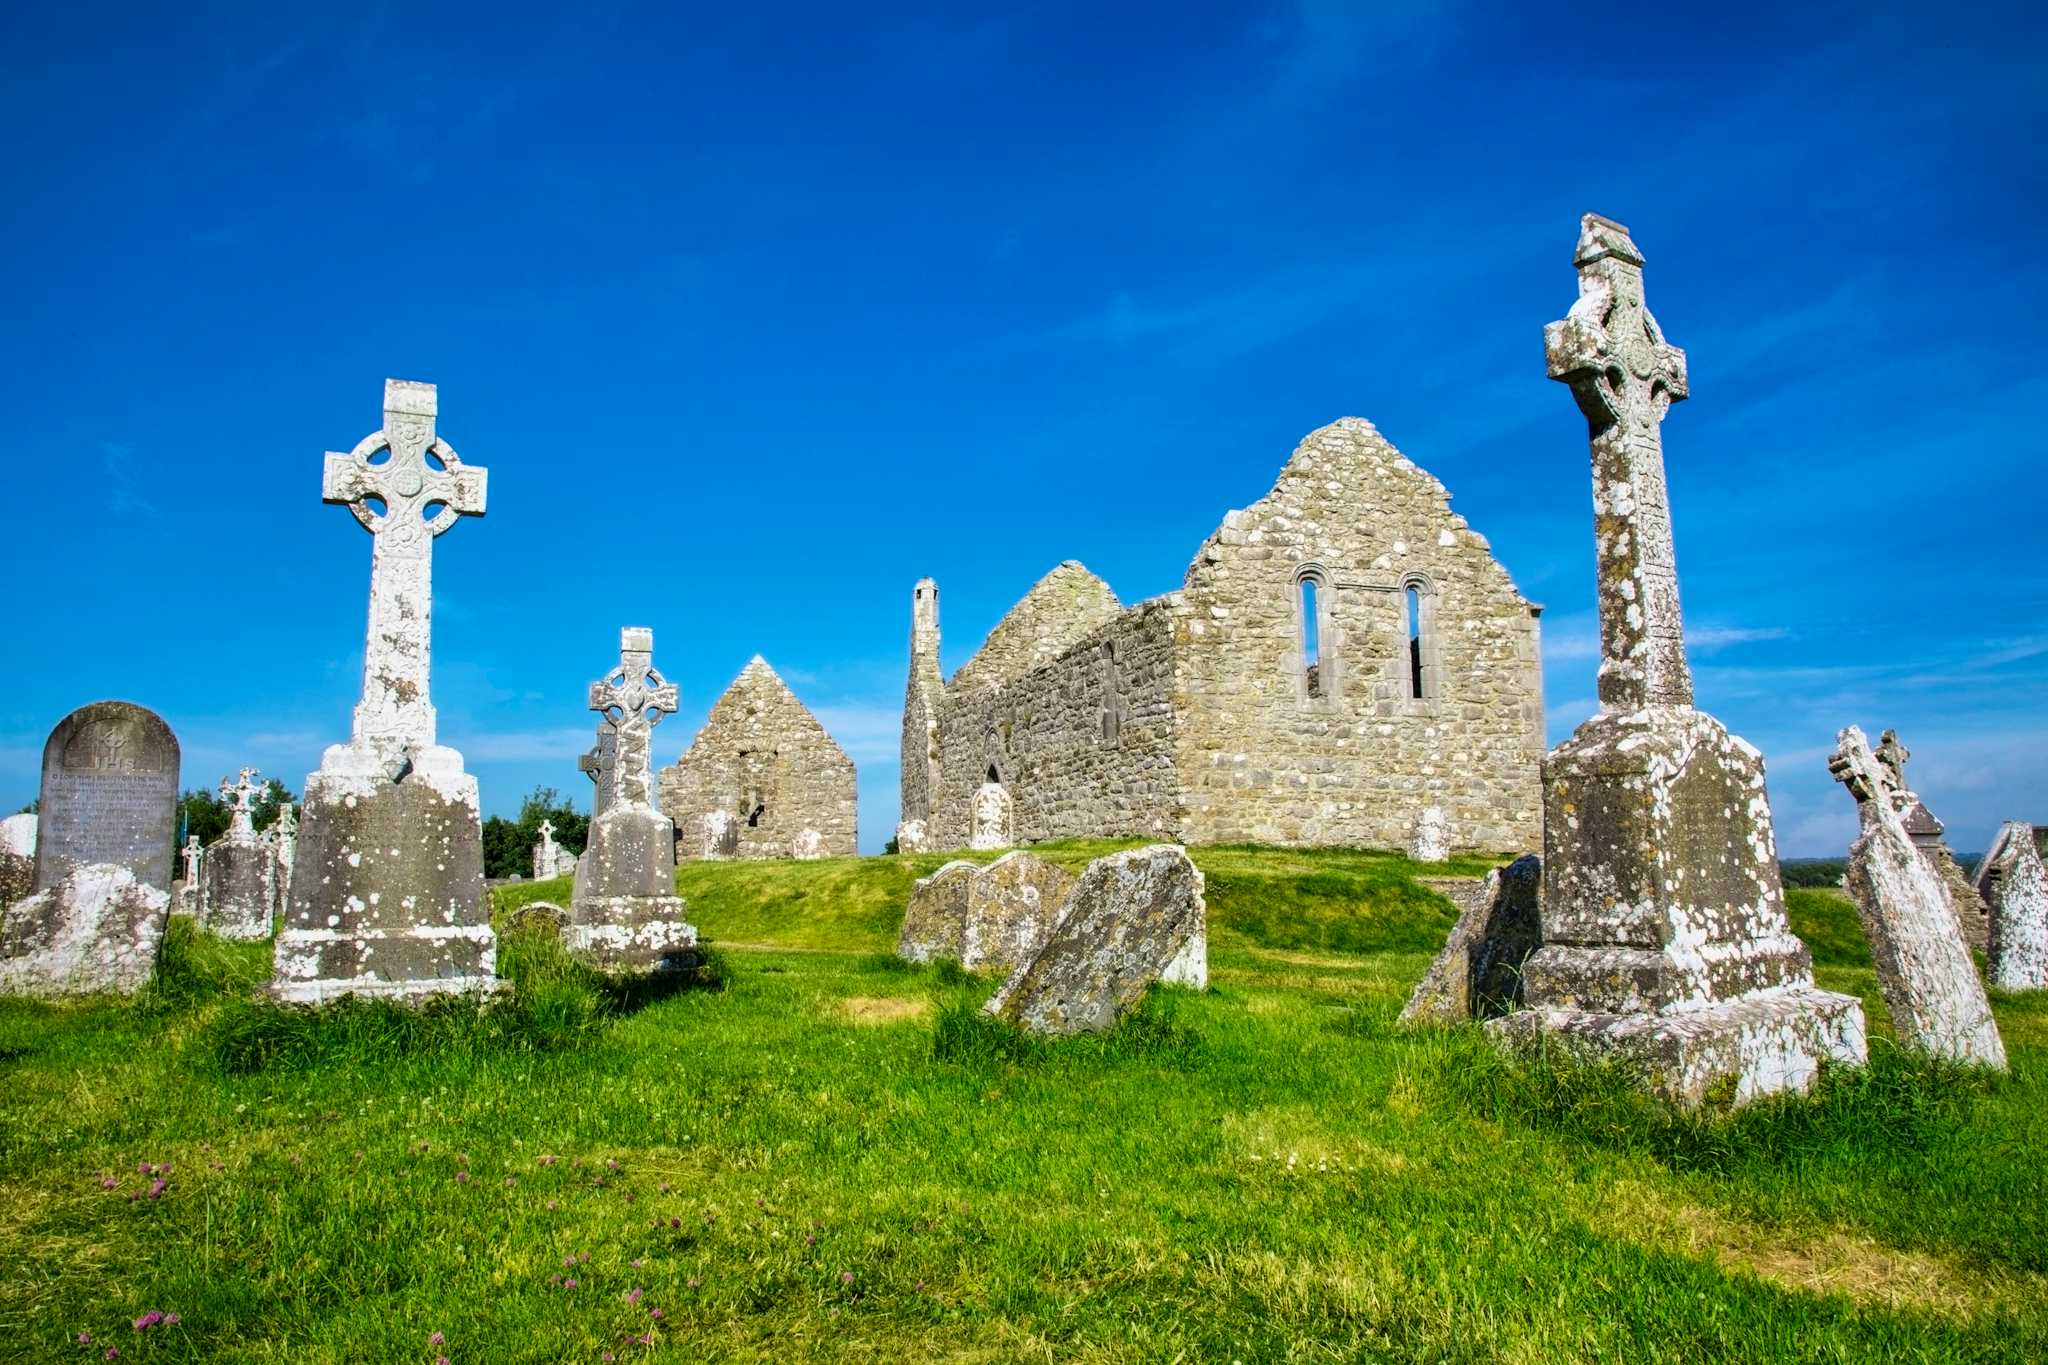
156 1187
655 1313
568 1284
171 1319
436 1339
142 1168
510 1182
108 1182
610 1164
634 1295
440 1360
113 1353
85 1338
148 1320
462 1177
846 1277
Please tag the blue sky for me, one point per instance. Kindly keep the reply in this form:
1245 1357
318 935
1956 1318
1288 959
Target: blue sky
756 314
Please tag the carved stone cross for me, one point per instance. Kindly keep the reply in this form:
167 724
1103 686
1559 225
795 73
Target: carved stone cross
406 486
633 698
241 796
1624 375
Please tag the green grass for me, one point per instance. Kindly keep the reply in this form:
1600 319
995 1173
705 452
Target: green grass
835 1156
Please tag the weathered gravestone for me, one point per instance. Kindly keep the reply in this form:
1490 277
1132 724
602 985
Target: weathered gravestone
1478 975
17 857
1972 917
109 794
98 929
1431 841
1013 904
935 921
185 891
1665 941
807 845
625 914
387 892
911 837
1133 918
238 878
283 836
994 818
2014 883
546 853
1930 984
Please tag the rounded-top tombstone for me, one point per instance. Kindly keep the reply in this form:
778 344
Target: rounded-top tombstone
109 794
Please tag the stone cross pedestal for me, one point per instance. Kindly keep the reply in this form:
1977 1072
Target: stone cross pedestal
387 896
1663 922
626 915
1930 984
238 886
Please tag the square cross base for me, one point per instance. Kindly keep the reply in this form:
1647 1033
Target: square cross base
634 935
1762 1044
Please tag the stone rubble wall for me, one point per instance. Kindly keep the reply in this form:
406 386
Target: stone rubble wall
1063 607
1263 760
1085 742
760 741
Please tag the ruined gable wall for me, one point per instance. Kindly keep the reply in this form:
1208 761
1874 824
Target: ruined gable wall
1084 741
1262 759
1059 610
759 743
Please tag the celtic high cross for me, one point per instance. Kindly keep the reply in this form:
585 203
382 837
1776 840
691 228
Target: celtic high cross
406 486
633 697
1623 373
241 798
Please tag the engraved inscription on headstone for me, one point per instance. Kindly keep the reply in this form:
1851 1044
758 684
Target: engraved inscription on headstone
109 794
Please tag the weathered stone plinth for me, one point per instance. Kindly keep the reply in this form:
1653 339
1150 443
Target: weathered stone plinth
387 892
1930 984
238 888
1431 840
1479 972
98 929
1665 940
2014 883
626 915
1133 918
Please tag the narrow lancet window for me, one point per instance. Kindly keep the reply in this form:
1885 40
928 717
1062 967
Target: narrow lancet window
1312 635
1415 692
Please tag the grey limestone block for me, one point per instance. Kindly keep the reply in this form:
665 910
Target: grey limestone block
1479 972
935 921
1133 918
98 929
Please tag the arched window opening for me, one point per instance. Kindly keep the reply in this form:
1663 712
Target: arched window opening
993 776
1414 594
1312 634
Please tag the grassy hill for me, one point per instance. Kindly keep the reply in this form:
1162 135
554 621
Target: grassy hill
835 1157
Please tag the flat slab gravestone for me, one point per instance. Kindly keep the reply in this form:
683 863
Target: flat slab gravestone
1431 841
1133 918
1930 985
2014 883
98 929
387 891
1478 975
1665 941
239 874
1012 907
109 794
625 915
935 921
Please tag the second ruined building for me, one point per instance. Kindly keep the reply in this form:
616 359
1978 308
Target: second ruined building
1343 655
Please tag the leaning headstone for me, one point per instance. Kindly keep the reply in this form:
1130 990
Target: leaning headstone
2014 882
1971 915
97 929
935 921
626 915
1431 841
1478 975
17 857
109 794
1133 918
1665 941
1924 969
1012 905
387 893
994 817
238 886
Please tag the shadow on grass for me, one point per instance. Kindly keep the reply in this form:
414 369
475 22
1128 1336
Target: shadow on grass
1901 1105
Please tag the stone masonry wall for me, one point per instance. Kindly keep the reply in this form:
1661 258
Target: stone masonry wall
1061 607
766 761
1085 741
1263 757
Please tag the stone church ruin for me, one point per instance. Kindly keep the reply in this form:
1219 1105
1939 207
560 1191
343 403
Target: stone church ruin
762 779
1343 656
